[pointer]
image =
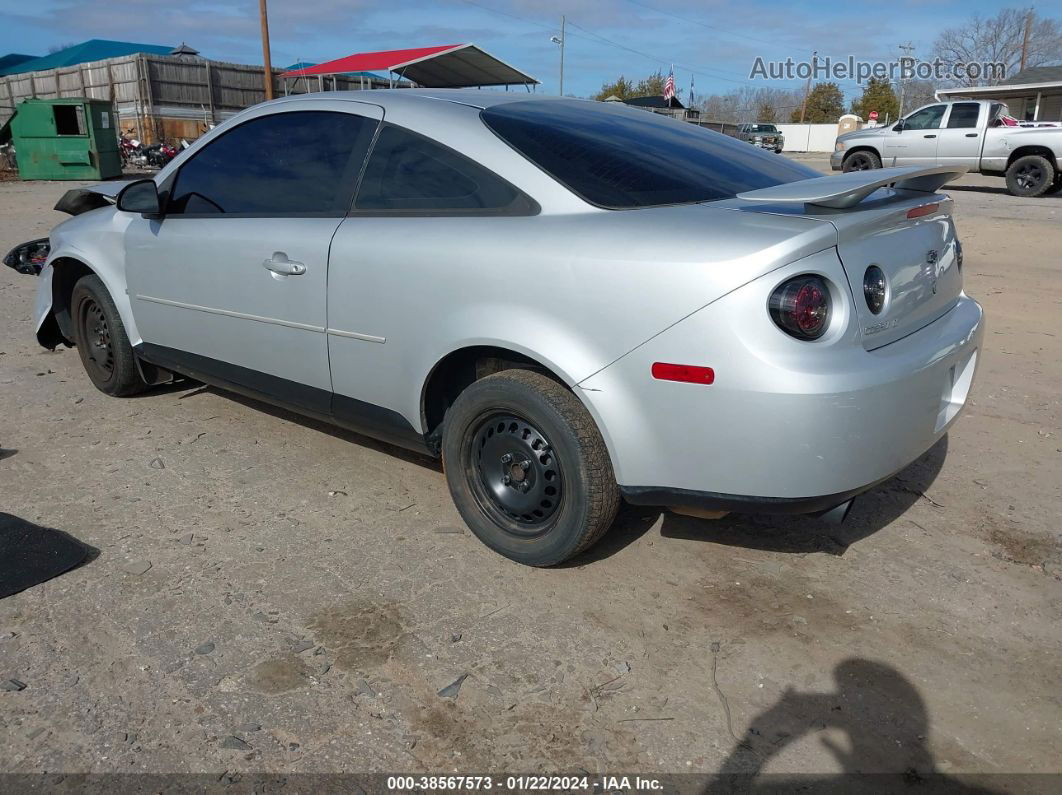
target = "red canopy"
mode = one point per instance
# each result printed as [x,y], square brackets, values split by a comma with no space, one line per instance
[446,66]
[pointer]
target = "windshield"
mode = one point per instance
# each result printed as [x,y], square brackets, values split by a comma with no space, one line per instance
[764,128]
[622,158]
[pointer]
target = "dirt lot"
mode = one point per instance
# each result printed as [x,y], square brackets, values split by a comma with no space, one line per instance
[310,592]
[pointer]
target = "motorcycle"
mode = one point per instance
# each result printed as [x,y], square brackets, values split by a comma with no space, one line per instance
[132,152]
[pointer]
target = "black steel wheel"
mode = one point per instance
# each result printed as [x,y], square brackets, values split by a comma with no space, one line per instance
[99,354]
[101,340]
[1031,175]
[861,161]
[527,467]
[514,472]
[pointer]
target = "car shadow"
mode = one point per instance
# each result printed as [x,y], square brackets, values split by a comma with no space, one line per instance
[871,511]
[874,723]
[997,190]
[336,431]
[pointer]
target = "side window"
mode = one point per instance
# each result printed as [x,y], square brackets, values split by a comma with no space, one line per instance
[408,172]
[963,115]
[925,119]
[297,163]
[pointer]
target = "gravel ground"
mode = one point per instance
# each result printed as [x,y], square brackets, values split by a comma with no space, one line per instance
[272,594]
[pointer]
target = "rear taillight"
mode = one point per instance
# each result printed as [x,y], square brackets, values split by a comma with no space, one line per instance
[801,307]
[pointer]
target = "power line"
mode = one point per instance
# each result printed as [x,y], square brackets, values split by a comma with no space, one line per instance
[599,39]
[702,24]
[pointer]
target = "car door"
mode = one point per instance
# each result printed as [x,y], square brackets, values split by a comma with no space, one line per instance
[959,141]
[230,283]
[420,204]
[916,143]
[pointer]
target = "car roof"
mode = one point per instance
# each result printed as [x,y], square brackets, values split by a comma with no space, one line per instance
[398,97]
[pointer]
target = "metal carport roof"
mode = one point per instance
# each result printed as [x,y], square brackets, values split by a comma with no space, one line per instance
[445,66]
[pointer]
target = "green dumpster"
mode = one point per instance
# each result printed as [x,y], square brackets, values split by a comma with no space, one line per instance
[69,138]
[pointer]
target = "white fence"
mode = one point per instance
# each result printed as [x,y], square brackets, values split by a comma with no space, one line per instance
[808,137]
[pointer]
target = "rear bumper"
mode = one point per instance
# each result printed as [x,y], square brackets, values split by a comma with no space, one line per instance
[737,503]
[786,427]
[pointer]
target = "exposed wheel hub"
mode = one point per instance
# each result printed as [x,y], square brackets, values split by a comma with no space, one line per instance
[517,469]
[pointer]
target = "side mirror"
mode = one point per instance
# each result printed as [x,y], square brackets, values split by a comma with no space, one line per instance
[898,127]
[141,197]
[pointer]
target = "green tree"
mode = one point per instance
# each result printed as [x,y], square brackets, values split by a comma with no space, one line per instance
[877,95]
[766,112]
[825,104]
[651,86]
[621,88]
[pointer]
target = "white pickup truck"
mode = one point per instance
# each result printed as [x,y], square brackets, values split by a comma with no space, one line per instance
[963,133]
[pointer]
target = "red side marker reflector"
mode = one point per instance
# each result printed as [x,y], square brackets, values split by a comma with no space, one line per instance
[686,373]
[925,209]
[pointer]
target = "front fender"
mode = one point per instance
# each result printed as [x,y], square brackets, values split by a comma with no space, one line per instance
[93,241]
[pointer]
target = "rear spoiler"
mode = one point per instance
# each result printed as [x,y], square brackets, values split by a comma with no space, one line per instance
[91,197]
[847,190]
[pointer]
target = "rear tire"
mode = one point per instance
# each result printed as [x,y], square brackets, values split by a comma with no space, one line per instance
[861,161]
[527,468]
[101,340]
[1030,176]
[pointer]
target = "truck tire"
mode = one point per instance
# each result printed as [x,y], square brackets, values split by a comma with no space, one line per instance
[1056,186]
[101,340]
[527,468]
[1029,176]
[862,160]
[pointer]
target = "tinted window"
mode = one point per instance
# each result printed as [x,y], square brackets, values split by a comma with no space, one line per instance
[298,163]
[764,128]
[407,172]
[964,114]
[925,119]
[623,158]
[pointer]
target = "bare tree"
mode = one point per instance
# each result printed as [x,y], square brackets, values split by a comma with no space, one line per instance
[747,104]
[1000,40]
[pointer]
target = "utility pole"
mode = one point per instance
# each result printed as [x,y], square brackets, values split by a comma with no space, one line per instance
[560,40]
[807,88]
[265,49]
[907,48]
[1025,39]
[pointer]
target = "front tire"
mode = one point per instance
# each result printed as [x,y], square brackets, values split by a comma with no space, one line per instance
[1030,176]
[527,468]
[101,340]
[861,161]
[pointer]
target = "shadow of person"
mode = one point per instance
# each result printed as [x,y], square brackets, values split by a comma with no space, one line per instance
[884,723]
[877,508]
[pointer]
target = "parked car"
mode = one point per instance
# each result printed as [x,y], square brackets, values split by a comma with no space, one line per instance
[765,136]
[977,135]
[566,318]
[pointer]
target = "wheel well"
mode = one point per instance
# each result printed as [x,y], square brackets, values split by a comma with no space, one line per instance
[1043,151]
[855,149]
[65,273]
[459,369]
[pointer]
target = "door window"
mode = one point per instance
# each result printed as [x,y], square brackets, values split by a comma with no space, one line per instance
[301,163]
[963,115]
[407,172]
[925,119]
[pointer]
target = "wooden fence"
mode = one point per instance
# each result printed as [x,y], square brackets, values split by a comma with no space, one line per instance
[164,97]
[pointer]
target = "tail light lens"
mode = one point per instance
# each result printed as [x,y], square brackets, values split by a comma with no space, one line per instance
[801,307]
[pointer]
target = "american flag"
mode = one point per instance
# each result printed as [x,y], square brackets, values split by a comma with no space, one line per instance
[669,85]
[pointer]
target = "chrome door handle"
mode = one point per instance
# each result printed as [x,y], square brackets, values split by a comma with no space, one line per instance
[929,136]
[279,263]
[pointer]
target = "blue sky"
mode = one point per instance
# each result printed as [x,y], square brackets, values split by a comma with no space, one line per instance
[713,41]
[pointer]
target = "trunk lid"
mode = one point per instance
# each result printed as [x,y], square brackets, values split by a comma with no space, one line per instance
[894,219]
[918,256]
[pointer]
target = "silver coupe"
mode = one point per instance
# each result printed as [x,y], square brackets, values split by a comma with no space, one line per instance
[569,302]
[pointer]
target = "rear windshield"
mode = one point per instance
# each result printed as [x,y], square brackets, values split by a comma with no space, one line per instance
[622,158]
